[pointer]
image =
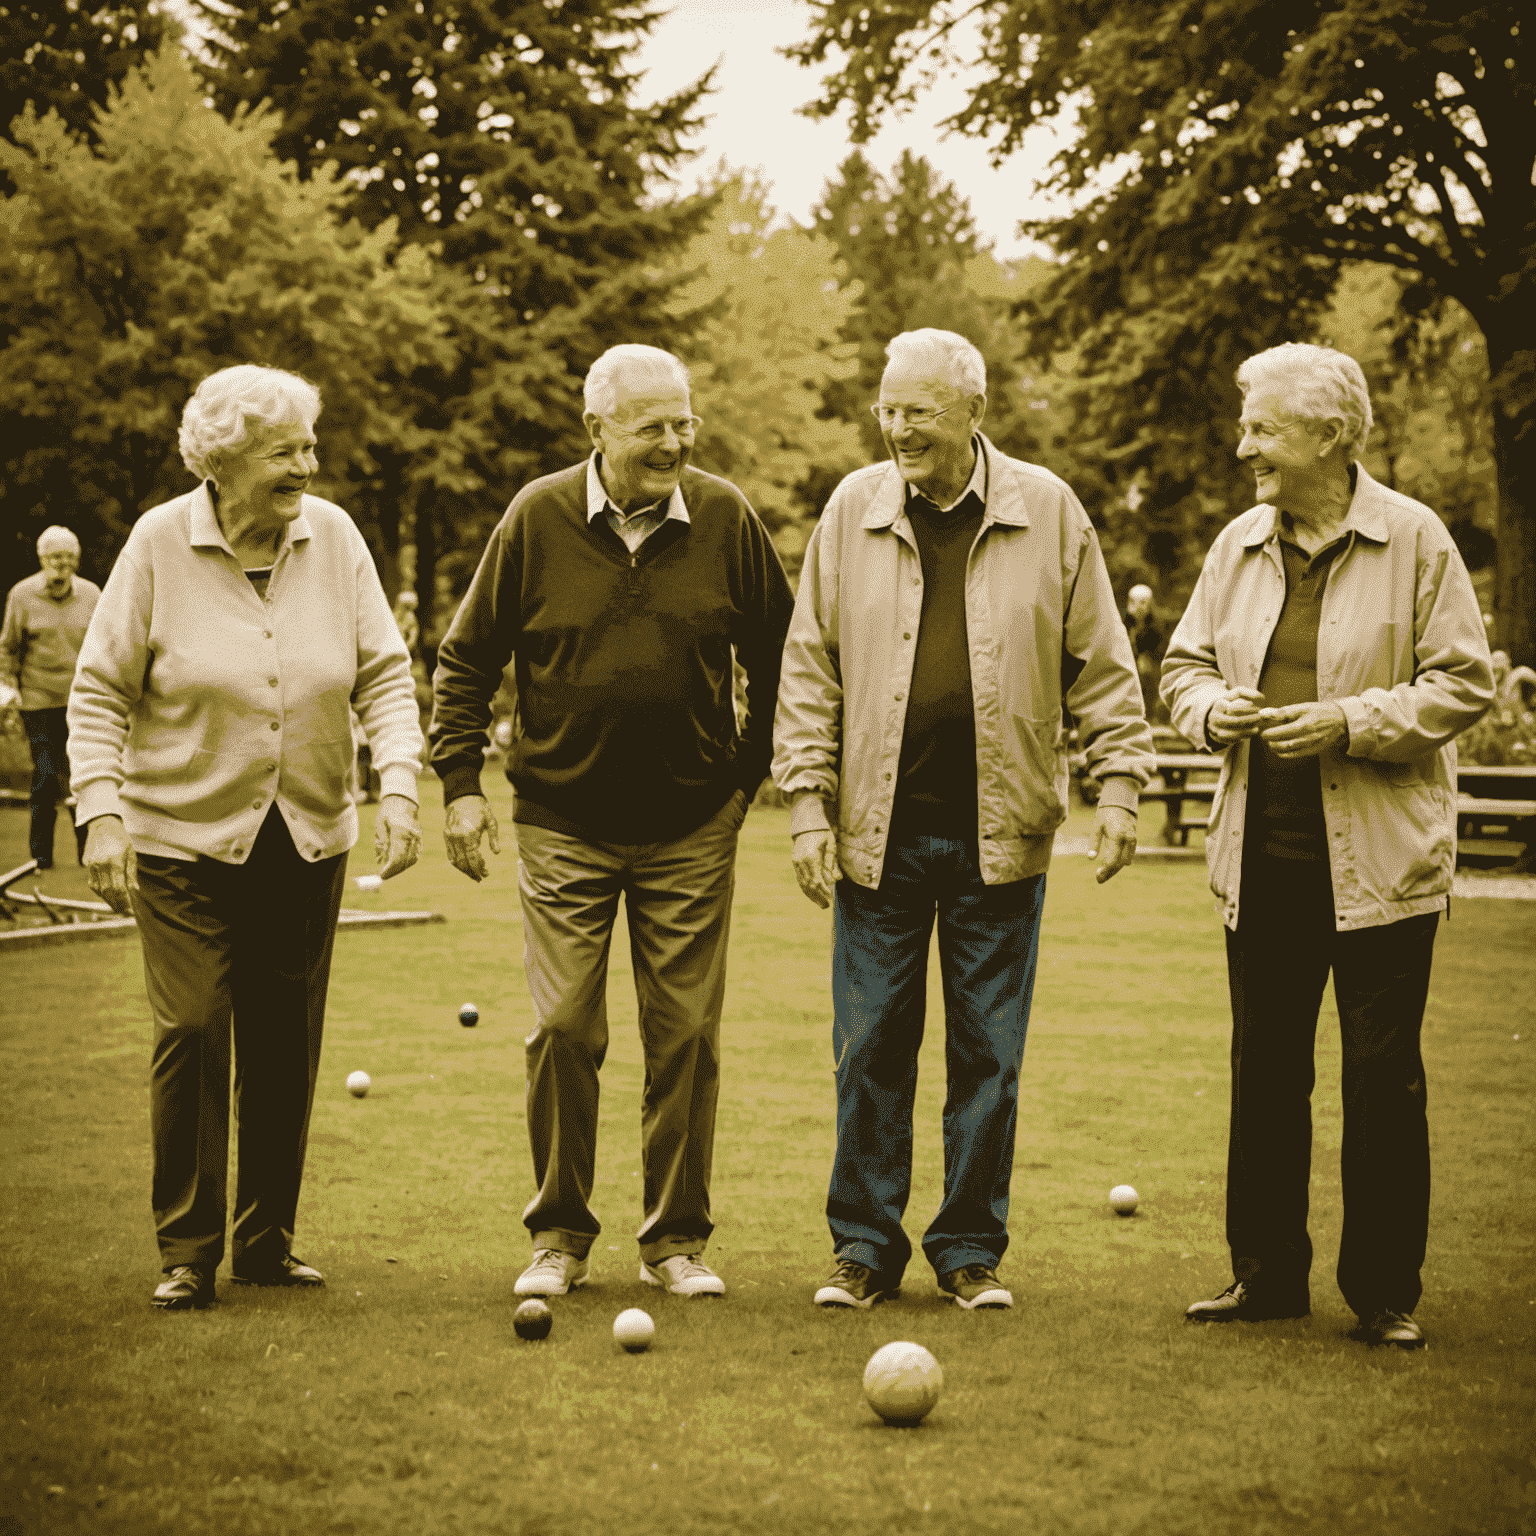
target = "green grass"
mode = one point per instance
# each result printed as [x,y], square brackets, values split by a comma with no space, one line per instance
[398,1399]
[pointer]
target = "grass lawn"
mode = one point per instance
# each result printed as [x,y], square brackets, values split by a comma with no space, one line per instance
[398,1399]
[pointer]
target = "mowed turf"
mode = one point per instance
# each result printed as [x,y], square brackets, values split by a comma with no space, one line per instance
[399,1399]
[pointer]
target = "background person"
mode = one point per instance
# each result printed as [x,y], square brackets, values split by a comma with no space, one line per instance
[211,719]
[46,617]
[1146,642]
[618,588]
[950,602]
[1332,649]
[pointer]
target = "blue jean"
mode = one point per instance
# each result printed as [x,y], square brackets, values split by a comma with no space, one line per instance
[988,944]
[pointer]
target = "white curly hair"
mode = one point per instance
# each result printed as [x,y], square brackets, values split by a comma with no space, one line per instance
[225,403]
[600,392]
[1320,384]
[960,362]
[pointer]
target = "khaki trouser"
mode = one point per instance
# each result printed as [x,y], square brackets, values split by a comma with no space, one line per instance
[678,900]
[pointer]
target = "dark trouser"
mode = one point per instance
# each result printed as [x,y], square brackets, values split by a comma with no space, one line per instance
[678,899]
[48,737]
[243,951]
[988,943]
[1277,965]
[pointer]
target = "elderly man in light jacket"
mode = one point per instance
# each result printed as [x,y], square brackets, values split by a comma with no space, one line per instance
[951,600]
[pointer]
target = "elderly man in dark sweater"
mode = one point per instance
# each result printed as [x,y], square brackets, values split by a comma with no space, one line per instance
[619,589]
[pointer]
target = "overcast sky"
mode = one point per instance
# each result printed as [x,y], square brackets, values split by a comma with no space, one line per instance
[754,122]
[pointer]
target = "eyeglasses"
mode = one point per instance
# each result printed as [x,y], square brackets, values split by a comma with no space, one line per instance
[682,427]
[916,416]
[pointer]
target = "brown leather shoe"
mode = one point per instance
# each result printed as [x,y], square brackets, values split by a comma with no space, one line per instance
[1244,1303]
[287,1271]
[185,1287]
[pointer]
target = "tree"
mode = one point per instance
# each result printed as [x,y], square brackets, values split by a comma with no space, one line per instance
[174,246]
[910,240]
[772,302]
[68,56]
[1224,163]
[506,132]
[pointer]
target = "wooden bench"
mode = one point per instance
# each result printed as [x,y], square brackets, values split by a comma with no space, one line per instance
[1496,815]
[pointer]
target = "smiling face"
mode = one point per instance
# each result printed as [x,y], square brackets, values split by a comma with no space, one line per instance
[646,440]
[934,455]
[262,480]
[59,567]
[1290,457]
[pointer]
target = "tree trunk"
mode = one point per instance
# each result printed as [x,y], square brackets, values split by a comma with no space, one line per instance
[1514,451]
[426,568]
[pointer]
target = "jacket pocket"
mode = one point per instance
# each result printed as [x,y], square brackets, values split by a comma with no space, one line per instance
[1036,777]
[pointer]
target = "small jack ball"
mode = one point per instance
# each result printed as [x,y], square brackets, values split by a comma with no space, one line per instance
[634,1330]
[358,1084]
[533,1320]
[1122,1200]
[469,1015]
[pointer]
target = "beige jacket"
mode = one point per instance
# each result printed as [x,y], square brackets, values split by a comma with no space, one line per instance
[1400,647]
[1042,626]
[198,704]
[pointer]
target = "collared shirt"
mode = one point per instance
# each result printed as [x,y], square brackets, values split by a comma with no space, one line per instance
[976,486]
[198,704]
[41,638]
[633,527]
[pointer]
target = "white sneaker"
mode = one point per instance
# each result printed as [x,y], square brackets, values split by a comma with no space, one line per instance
[552,1273]
[683,1275]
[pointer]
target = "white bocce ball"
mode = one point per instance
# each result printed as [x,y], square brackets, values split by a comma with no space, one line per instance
[634,1330]
[902,1383]
[1122,1199]
[358,1084]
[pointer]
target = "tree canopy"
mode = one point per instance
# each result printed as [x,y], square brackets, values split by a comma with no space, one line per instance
[1220,165]
[176,245]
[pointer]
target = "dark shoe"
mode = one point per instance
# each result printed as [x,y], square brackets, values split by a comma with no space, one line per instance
[287,1271]
[1384,1326]
[976,1285]
[856,1285]
[1243,1303]
[185,1287]
[43,864]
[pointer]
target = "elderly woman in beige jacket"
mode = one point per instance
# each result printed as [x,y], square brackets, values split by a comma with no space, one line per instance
[1332,651]
[211,743]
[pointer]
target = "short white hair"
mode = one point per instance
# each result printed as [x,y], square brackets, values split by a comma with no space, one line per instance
[958,360]
[1320,384]
[56,538]
[600,393]
[219,412]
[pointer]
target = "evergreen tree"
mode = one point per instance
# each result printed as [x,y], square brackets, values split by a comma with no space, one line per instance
[176,245]
[1224,163]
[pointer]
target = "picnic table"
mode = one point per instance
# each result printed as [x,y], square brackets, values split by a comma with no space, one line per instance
[1496,814]
[1178,788]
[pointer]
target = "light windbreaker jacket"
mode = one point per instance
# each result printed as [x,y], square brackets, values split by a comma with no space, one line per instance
[1400,648]
[197,704]
[1042,625]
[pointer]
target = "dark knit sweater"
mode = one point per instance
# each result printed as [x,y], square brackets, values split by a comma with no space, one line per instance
[626,727]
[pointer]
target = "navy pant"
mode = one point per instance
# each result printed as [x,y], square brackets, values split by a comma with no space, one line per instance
[48,737]
[235,953]
[1277,966]
[988,942]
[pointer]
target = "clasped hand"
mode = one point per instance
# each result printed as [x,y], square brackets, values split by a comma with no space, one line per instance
[1291,731]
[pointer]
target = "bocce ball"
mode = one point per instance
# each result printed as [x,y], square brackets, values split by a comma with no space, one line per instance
[358,1084]
[1122,1199]
[533,1320]
[469,1015]
[634,1330]
[902,1383]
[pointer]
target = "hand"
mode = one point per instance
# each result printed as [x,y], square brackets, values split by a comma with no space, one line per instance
[815,857]
[396,835]
[1234,716]
[111,868]
[1303,730]
[468,817]
[1114,841]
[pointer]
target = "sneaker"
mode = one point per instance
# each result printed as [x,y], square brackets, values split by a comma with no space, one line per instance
[552,1273]
[184,1287]
[976,1285]
[683,1275]
[856,1285]
[287,1271]
[1242,1303]
[1386,1326]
